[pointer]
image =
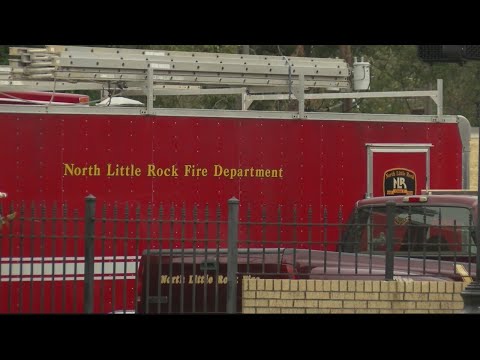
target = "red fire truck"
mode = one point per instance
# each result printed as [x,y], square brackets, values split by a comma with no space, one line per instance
[145,155]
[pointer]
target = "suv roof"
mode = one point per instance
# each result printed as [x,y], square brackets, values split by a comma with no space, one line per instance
[469,201]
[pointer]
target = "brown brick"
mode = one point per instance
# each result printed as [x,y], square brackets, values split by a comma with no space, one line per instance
[376,286]
[244,284]
[360,286]
[281,303]
[379,304]
[351,285]
[425,286]
[416,297]
[441,286]
[400,286]
[255,303]
[342,311]
[458,287]
[440,297]
[305,303]
[268,294]
[428,305]
[451,305]
[318,311]
[327,285]
[334,285]
[366,296]
[398,296]
[317,295]
[343,295]
[269,310]
[403,305]
[342,285]
[411,311]
[318,285]
[449,287]
[248,310]
[293,295]
[392,311]
[355,304]
[294,285]
[368,284]
[252,284]
[367,311]
[457,297]
[293,311]
[302,285]
[277,284]
[433,286]
[269,284]
[392,286]
[249,294]
[384,286]
[285,285]
[260,284]
[331,304]
[417,286]
[310,285]
[409,286]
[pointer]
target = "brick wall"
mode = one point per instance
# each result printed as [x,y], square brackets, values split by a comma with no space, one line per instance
[351,296]
[474,161]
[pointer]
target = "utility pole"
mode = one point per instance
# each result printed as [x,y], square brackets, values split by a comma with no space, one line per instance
[346,53]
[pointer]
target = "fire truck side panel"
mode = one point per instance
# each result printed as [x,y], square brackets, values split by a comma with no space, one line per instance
[130,162]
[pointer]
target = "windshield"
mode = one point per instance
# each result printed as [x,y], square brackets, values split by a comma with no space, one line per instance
[423,229]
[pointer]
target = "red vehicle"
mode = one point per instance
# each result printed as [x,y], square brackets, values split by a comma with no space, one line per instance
[141,156]
[424,225]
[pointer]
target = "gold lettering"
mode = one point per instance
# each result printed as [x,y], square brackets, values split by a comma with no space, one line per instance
[72,170]
[191,170]
[153,171]
[217,170]
[259,173]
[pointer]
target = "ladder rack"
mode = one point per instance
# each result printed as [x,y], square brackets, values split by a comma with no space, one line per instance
[134,72]
[259,74]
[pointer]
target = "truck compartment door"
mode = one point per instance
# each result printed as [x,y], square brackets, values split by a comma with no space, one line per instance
[397,169]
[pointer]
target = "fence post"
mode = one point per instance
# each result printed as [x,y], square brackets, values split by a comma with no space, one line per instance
[389,245]
[232,264]
[89,254]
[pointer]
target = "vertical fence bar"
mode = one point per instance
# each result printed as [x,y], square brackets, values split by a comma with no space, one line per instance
[64,256]
[205,244]
[22,240]
[194,247]
[89,254]
[218,215]
[183,214]
[232,264]
[389,250]
[54,245]
[76,239]
[125,253]
[103,240]
[32,252]
[43,221]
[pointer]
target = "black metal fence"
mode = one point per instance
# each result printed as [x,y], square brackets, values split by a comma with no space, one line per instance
[181,258]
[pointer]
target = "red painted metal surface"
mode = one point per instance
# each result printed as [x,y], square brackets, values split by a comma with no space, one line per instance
[318,164]
[41,97]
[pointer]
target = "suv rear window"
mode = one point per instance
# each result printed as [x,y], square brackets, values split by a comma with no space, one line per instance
[422,229]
